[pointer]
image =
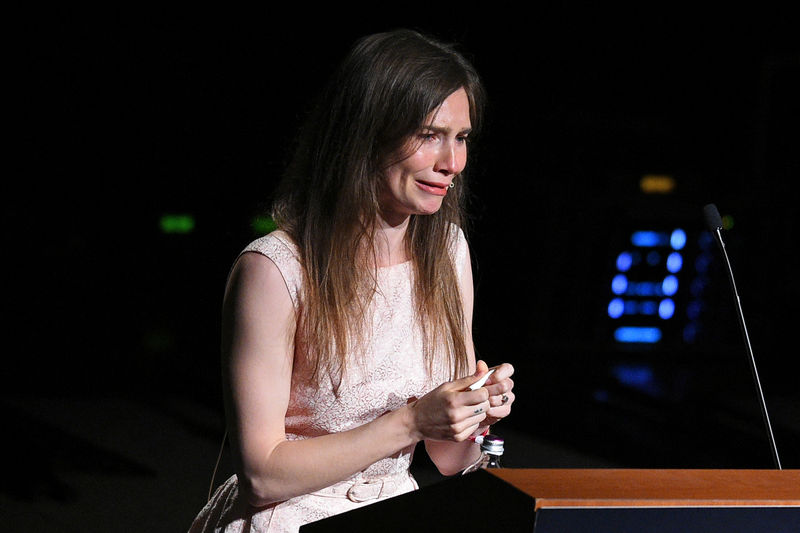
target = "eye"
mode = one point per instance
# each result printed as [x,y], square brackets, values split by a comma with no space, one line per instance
[427,136]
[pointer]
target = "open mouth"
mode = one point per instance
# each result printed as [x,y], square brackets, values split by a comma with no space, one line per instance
[439,189]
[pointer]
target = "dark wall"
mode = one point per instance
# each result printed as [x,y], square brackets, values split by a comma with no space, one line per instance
[126,115]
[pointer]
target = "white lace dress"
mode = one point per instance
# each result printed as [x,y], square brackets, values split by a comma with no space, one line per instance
[392,372]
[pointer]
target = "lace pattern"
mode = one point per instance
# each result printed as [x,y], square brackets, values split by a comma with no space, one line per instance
[392,371]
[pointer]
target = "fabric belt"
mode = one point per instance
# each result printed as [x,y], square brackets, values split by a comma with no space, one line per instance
[362,490]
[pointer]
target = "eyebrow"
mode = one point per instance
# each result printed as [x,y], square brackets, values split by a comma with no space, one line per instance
[439,129]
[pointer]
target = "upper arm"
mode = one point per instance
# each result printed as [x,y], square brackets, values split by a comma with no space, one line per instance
[258,321]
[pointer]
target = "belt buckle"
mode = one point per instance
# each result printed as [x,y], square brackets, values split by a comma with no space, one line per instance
[362,492]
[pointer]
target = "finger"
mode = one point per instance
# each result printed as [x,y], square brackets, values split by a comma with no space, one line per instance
[504,371]
[466,381]
[466,433]
[466,422]
[471,397]
[481,367]
[504,408]
[497,400]
[476,410]
[500,388]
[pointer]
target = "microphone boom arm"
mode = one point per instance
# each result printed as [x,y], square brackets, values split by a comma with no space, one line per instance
[751,358]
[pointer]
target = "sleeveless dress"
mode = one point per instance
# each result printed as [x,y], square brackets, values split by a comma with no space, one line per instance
[390,372]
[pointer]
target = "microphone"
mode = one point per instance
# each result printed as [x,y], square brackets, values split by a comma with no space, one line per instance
[714,224]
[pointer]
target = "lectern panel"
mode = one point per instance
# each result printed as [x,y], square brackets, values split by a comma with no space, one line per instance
[668,520]
[475,502]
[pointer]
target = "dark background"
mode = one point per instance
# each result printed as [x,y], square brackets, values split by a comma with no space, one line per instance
[121,116]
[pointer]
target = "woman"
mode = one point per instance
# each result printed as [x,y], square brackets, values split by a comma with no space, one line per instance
[346,333]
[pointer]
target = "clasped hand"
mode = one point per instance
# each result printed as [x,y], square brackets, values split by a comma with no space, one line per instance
[453,412]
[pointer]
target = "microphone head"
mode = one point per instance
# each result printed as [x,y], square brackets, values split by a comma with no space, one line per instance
[713,220]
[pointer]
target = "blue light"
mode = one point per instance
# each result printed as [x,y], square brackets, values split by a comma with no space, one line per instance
[705,239]
[669,286]
[631,307]
[647,335]
[624,261]
[616,307]
[653,258]
[674,262]
[600,395]
[694,309]
[633,375]
[647,307]
[640,377]
[644,288]
[697,287]
[619,284]
[690,332]
[666,308]
[702,262]
[678,239]
[648,238]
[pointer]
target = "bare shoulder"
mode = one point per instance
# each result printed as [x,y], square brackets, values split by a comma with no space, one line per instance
[257,280]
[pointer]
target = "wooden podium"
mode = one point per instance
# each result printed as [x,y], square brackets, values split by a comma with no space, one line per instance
[600,500]
[647,488]
[535,500]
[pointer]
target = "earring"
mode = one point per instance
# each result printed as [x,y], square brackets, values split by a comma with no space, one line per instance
[452,184]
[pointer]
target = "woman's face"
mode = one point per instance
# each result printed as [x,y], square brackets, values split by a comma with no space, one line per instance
[417,184]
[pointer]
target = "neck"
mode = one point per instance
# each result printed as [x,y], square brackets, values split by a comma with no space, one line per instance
[390,245]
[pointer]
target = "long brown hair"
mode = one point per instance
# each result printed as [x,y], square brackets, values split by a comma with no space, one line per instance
[381,95]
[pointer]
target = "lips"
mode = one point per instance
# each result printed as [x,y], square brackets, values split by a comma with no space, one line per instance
[439,189]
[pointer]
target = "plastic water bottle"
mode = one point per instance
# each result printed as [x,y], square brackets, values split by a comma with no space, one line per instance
[491,450]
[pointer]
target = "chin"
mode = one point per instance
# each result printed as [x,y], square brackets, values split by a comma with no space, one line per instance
[425,212]
[429,208]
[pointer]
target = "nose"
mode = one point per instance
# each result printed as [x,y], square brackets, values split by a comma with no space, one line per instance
[450,160]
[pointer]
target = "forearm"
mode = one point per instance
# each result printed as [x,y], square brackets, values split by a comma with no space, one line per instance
[292,468]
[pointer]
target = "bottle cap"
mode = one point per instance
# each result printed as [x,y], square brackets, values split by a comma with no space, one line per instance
[492,444]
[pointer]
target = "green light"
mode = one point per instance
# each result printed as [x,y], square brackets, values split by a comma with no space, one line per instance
[727,222]
[262,225]
[177,223]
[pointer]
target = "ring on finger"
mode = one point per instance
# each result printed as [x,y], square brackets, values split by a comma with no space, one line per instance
[504,399]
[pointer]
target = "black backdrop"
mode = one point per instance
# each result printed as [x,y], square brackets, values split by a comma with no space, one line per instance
[124,115]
